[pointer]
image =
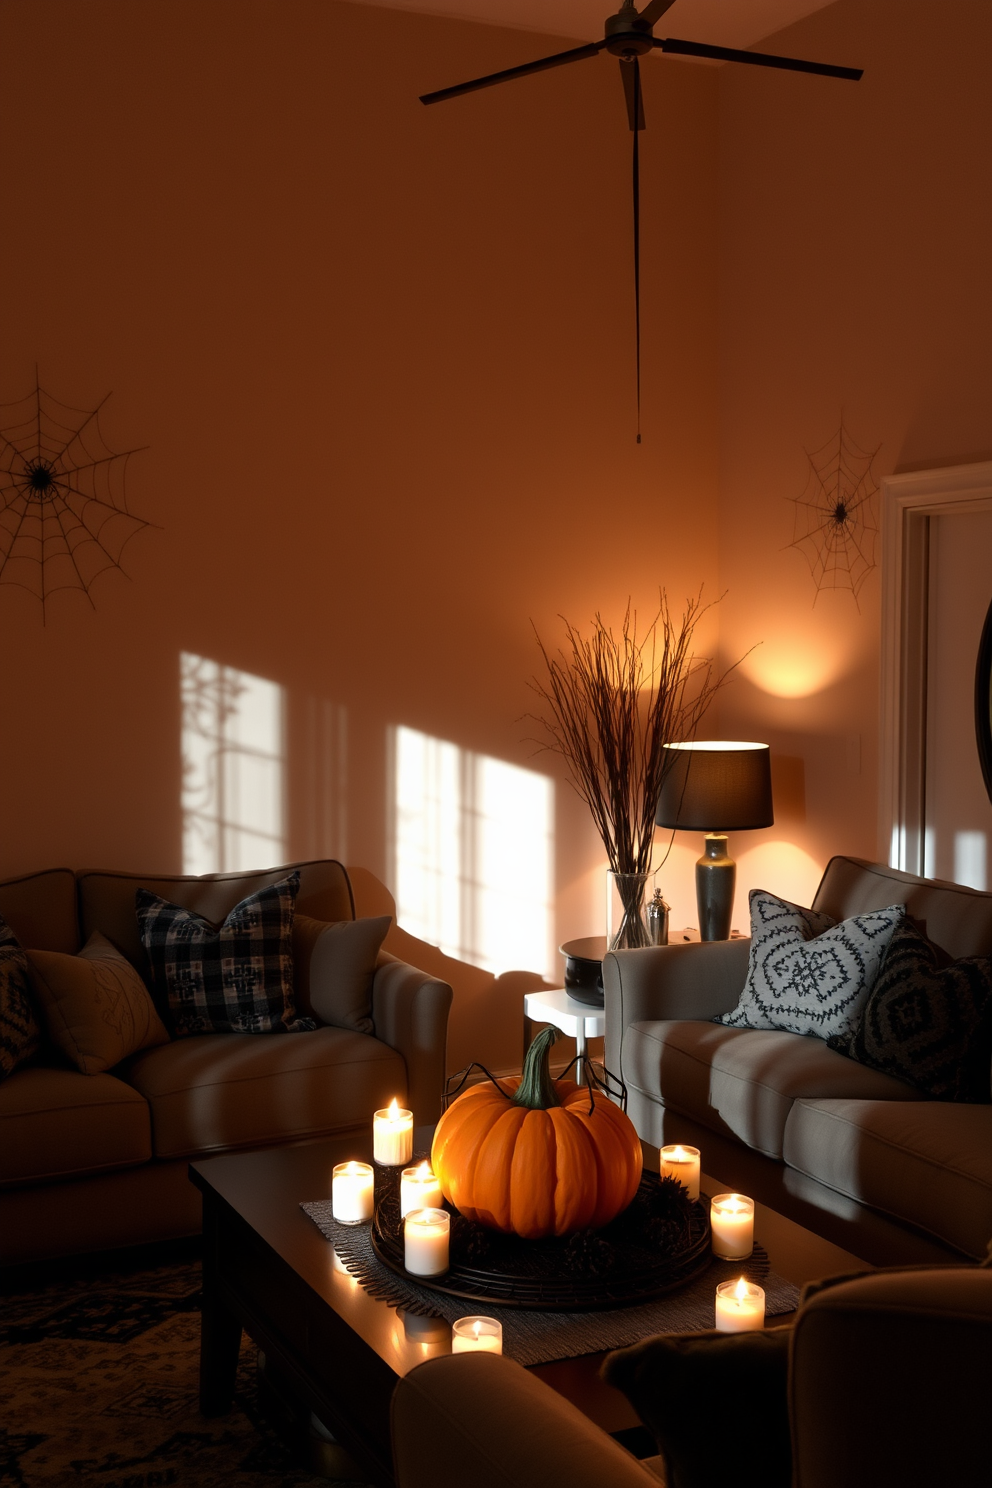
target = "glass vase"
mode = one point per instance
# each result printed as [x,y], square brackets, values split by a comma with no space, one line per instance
[627,898]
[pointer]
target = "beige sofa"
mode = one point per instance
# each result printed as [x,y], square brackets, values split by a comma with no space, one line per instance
[91,1162]
[842,1137]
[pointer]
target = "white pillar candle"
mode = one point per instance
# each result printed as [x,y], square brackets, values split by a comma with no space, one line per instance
[740,1307]
[425,1241]
[476,1335]
[352,1185]
[732,1226]
[419,1189]
[682,1163]
[392,1136]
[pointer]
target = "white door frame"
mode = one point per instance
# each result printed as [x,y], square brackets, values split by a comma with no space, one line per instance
[908,503]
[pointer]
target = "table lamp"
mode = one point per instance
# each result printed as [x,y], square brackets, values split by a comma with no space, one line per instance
[716,786]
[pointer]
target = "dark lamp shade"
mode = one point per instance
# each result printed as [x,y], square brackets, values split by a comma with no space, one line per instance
[717,787]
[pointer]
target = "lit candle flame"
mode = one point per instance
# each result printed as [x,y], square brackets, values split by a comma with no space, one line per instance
[741,1290]
[678,1155]
[352,1169]
[424,1172]
[394,1109]
[477,1328]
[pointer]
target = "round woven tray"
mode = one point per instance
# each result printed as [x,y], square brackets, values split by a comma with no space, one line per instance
[658,1244]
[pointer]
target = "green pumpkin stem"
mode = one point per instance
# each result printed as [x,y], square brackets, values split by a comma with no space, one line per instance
[537,1089]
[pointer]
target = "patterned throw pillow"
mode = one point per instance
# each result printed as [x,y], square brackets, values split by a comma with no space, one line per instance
[20,1031]
[805,973]
[232,978]
[925,1023]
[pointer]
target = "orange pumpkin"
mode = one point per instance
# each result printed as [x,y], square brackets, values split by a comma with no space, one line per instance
[535,1157]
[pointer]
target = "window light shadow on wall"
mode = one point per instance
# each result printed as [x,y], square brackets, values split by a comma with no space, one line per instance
[232,753]
[472,852]
[970,859]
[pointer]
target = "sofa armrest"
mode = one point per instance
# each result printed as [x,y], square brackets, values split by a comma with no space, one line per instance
[874,1355]
[482,1419]
[410,1013]
[698,980]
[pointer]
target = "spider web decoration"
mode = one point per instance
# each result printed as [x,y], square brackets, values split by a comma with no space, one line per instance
[835,526]
[63,512]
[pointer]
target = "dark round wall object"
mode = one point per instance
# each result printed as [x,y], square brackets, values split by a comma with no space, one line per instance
[983,702]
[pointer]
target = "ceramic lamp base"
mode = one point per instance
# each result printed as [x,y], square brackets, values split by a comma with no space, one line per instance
[716,878]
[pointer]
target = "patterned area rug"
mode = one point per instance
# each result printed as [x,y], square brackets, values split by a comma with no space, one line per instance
[98,1377]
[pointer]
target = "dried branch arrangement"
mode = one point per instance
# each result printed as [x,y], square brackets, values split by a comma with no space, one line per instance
[612,702]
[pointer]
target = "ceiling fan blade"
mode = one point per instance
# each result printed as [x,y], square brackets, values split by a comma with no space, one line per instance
[631,75]
[559,59]
[655,10]
[756,59]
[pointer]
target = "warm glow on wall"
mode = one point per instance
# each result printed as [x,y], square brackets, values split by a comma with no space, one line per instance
[780,867]
[793,668]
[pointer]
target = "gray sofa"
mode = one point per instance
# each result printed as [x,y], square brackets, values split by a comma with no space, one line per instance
[95,1162]
[842,1138]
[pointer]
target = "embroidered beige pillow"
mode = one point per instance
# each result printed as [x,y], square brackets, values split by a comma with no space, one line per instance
[97,1008]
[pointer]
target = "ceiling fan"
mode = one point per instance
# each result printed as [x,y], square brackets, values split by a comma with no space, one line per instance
[629,35]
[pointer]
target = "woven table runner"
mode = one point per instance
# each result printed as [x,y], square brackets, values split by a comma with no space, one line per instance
[542,1337]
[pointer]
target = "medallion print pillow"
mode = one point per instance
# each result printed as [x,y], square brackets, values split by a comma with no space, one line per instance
[231,978]
[807,974]
[927,1022]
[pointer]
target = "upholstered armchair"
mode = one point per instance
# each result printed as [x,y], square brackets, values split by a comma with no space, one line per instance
[890,1379]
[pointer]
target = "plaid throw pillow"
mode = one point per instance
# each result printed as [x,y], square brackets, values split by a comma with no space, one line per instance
[20,1031]
[232,978]
[927,1023]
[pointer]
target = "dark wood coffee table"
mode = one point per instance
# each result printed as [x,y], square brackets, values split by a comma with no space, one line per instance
[268,1270]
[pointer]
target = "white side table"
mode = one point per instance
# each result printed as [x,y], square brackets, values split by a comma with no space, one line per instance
[576,1019]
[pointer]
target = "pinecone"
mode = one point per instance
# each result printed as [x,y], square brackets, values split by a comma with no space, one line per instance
[667,1236]
[469,1241]
[588,1254]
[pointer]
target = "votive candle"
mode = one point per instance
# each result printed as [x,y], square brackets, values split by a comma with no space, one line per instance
[477,1335]
[419,1189]
[740,1307]
[732,1226]
[682,1163]
[425,1241]
[352,1188]
[392,1136]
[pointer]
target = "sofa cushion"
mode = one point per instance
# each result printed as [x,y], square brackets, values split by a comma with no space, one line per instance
[926,1022]
[231,978]
[806,975]
[57,1123]
[20,1030]
[106,900]
[742,1082]
[96,1007]
[220,1091]
[929,1163]
[333,967]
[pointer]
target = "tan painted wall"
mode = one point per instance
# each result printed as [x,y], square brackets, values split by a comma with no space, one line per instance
[382,357]
[856,238]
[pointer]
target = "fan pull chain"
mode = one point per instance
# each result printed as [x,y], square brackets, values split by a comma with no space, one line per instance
[637,241]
